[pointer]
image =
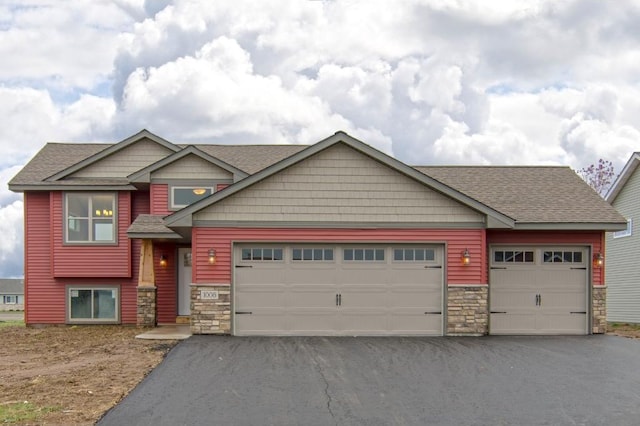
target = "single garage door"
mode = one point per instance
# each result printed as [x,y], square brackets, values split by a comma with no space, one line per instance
[539,290]
[327,289]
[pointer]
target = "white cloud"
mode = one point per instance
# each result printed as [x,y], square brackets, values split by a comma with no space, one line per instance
[11,243]
[431,81]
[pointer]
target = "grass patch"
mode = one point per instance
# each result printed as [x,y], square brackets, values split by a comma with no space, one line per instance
[16,412]
[623,325]
[12,323]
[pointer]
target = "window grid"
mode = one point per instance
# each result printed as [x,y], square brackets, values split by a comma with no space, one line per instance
[262,254]
[363,255]
[513,256]
[90,218]
[312,254]
[414,255]
[562,256]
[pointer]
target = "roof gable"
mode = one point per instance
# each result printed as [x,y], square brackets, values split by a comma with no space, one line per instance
[623,177]
[184,217]
[179,160]
[90,166]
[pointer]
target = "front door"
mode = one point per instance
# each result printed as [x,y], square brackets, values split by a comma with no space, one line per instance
[184,281]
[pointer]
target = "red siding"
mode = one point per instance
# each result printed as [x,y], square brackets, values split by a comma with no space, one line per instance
[44,301]
[595,239]
[45,294]
[221,186]
[221,239]
[160,199]
[166,283]
[92,260]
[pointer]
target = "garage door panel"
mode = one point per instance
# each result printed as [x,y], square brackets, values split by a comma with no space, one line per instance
[513,323]
[537,295]
[343,296]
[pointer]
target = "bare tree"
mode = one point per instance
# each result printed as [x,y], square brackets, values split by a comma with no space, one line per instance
[599,176]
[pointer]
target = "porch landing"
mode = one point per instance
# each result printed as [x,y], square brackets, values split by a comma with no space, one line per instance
[167,332]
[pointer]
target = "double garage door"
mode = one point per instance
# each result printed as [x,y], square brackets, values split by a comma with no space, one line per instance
[539,290]
[327,289]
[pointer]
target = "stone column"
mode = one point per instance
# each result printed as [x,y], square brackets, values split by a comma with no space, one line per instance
[599,310]
[467,310]
[146,314]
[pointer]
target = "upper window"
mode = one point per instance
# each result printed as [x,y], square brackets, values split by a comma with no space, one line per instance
[625,232]
[90,218]
[182,196]
[10,299]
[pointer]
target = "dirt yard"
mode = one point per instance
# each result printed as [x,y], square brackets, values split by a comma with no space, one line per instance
[624,330]
[70,375]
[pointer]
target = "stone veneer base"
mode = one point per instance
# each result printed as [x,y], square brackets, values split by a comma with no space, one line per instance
[599,310]
[467,310]
[211,316]
[146,314]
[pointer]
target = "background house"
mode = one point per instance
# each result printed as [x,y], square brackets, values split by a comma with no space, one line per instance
[623,247]
[11,294]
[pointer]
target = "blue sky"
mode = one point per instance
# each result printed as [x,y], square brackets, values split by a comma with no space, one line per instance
[430,82]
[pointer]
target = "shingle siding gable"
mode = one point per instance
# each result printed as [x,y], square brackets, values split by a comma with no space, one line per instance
[622,254]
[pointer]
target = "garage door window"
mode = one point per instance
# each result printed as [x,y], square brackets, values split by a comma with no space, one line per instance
[363,255]
[513,256]
[562,257]
[414,255]
[262,254]
[312,254]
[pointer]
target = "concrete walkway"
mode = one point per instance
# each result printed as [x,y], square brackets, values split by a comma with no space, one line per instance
[167,332]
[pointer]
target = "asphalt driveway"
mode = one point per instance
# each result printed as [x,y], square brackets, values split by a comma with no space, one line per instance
[214,380]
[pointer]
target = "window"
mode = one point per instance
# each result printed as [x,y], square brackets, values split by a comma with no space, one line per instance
[513,256]
[90,218]
[262,254]
[10,299]
[182,196]
[93,304]
[562,256]
[363,255]
[625,232]
[312,254]
[414,255]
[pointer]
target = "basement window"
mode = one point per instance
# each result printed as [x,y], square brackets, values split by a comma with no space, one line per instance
[93,304]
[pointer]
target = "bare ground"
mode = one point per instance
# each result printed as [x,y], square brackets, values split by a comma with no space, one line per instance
[72,375]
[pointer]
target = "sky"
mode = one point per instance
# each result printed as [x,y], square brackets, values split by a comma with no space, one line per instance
[512,82]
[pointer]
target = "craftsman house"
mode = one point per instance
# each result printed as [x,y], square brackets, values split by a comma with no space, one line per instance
[623,247]
[335,238]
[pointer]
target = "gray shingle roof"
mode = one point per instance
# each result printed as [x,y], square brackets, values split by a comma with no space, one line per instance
[535,194]
[11,286]
[150,225]
[526,194]
[54,157]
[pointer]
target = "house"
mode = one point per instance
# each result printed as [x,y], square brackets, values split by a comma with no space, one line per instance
[334,238]
[11,294]
[623,247]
